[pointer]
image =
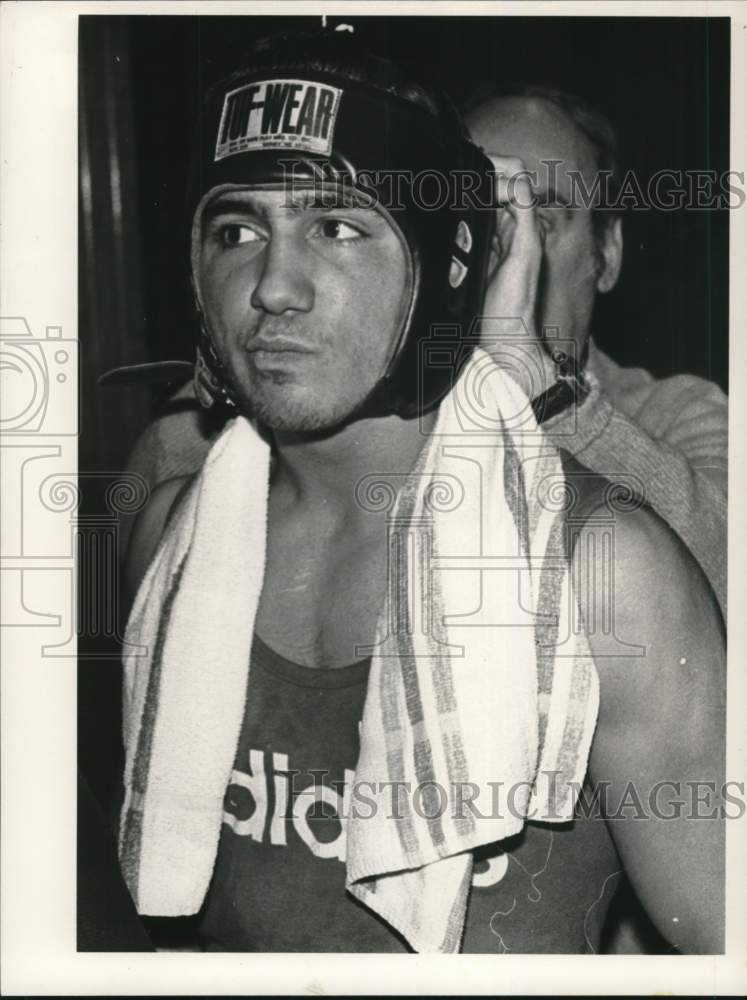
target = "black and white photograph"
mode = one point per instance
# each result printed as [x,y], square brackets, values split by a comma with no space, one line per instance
[366,505]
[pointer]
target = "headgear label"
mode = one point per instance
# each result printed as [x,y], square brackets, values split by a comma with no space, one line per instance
[278,114]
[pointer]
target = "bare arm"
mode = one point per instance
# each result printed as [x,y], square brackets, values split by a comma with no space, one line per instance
[173,445]
[662,721]
[148,531]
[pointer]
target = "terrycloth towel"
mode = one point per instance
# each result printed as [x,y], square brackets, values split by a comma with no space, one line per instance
[478,676]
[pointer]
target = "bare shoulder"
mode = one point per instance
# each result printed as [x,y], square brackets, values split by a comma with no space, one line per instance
[149,529]
[656,628]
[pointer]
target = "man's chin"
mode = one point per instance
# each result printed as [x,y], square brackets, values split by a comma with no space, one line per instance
[290,415]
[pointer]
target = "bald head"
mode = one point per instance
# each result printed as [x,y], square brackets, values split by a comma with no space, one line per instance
[538,132]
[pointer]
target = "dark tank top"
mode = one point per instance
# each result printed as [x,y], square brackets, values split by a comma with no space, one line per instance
[279,878]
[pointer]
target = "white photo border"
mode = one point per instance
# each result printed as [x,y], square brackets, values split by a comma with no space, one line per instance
[38,281]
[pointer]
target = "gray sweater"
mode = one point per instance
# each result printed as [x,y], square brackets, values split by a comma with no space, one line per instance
[670,433]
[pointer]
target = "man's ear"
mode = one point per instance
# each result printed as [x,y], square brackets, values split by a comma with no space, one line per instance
[611,255]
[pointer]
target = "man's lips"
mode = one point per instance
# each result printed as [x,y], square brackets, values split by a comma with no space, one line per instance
[278,345]
[277,354]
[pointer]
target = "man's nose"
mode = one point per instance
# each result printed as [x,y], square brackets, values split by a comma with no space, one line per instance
[284,283]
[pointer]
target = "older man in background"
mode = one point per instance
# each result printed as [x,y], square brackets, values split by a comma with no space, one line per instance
[670,433]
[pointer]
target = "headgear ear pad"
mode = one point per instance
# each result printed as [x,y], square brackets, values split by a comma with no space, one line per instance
[295,122]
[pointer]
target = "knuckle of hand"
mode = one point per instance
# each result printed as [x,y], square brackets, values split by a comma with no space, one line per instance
[508,165]
[515,164]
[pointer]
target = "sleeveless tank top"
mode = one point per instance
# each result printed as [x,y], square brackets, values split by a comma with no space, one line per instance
[279,878]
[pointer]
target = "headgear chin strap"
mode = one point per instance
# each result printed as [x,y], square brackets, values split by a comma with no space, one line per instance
[291,125]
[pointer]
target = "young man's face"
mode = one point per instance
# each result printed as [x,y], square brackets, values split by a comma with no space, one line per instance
[575,267]
[304,303]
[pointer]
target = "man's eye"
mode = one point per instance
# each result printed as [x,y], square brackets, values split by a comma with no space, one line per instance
[336,229]
[234,234]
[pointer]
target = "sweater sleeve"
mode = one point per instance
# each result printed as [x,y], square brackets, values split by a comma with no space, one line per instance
[674,439]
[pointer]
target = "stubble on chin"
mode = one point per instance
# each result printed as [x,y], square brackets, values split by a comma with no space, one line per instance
[279,410]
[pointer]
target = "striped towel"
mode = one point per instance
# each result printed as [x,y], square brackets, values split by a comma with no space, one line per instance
[478,676]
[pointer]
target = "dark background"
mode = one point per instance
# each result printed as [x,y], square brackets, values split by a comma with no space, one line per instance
[664,82]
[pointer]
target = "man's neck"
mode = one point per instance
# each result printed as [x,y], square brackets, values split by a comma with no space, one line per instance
[325,469]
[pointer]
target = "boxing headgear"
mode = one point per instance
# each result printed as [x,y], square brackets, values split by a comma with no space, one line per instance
[319,111]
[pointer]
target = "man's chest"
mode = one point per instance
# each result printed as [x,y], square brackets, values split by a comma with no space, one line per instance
[323,592]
